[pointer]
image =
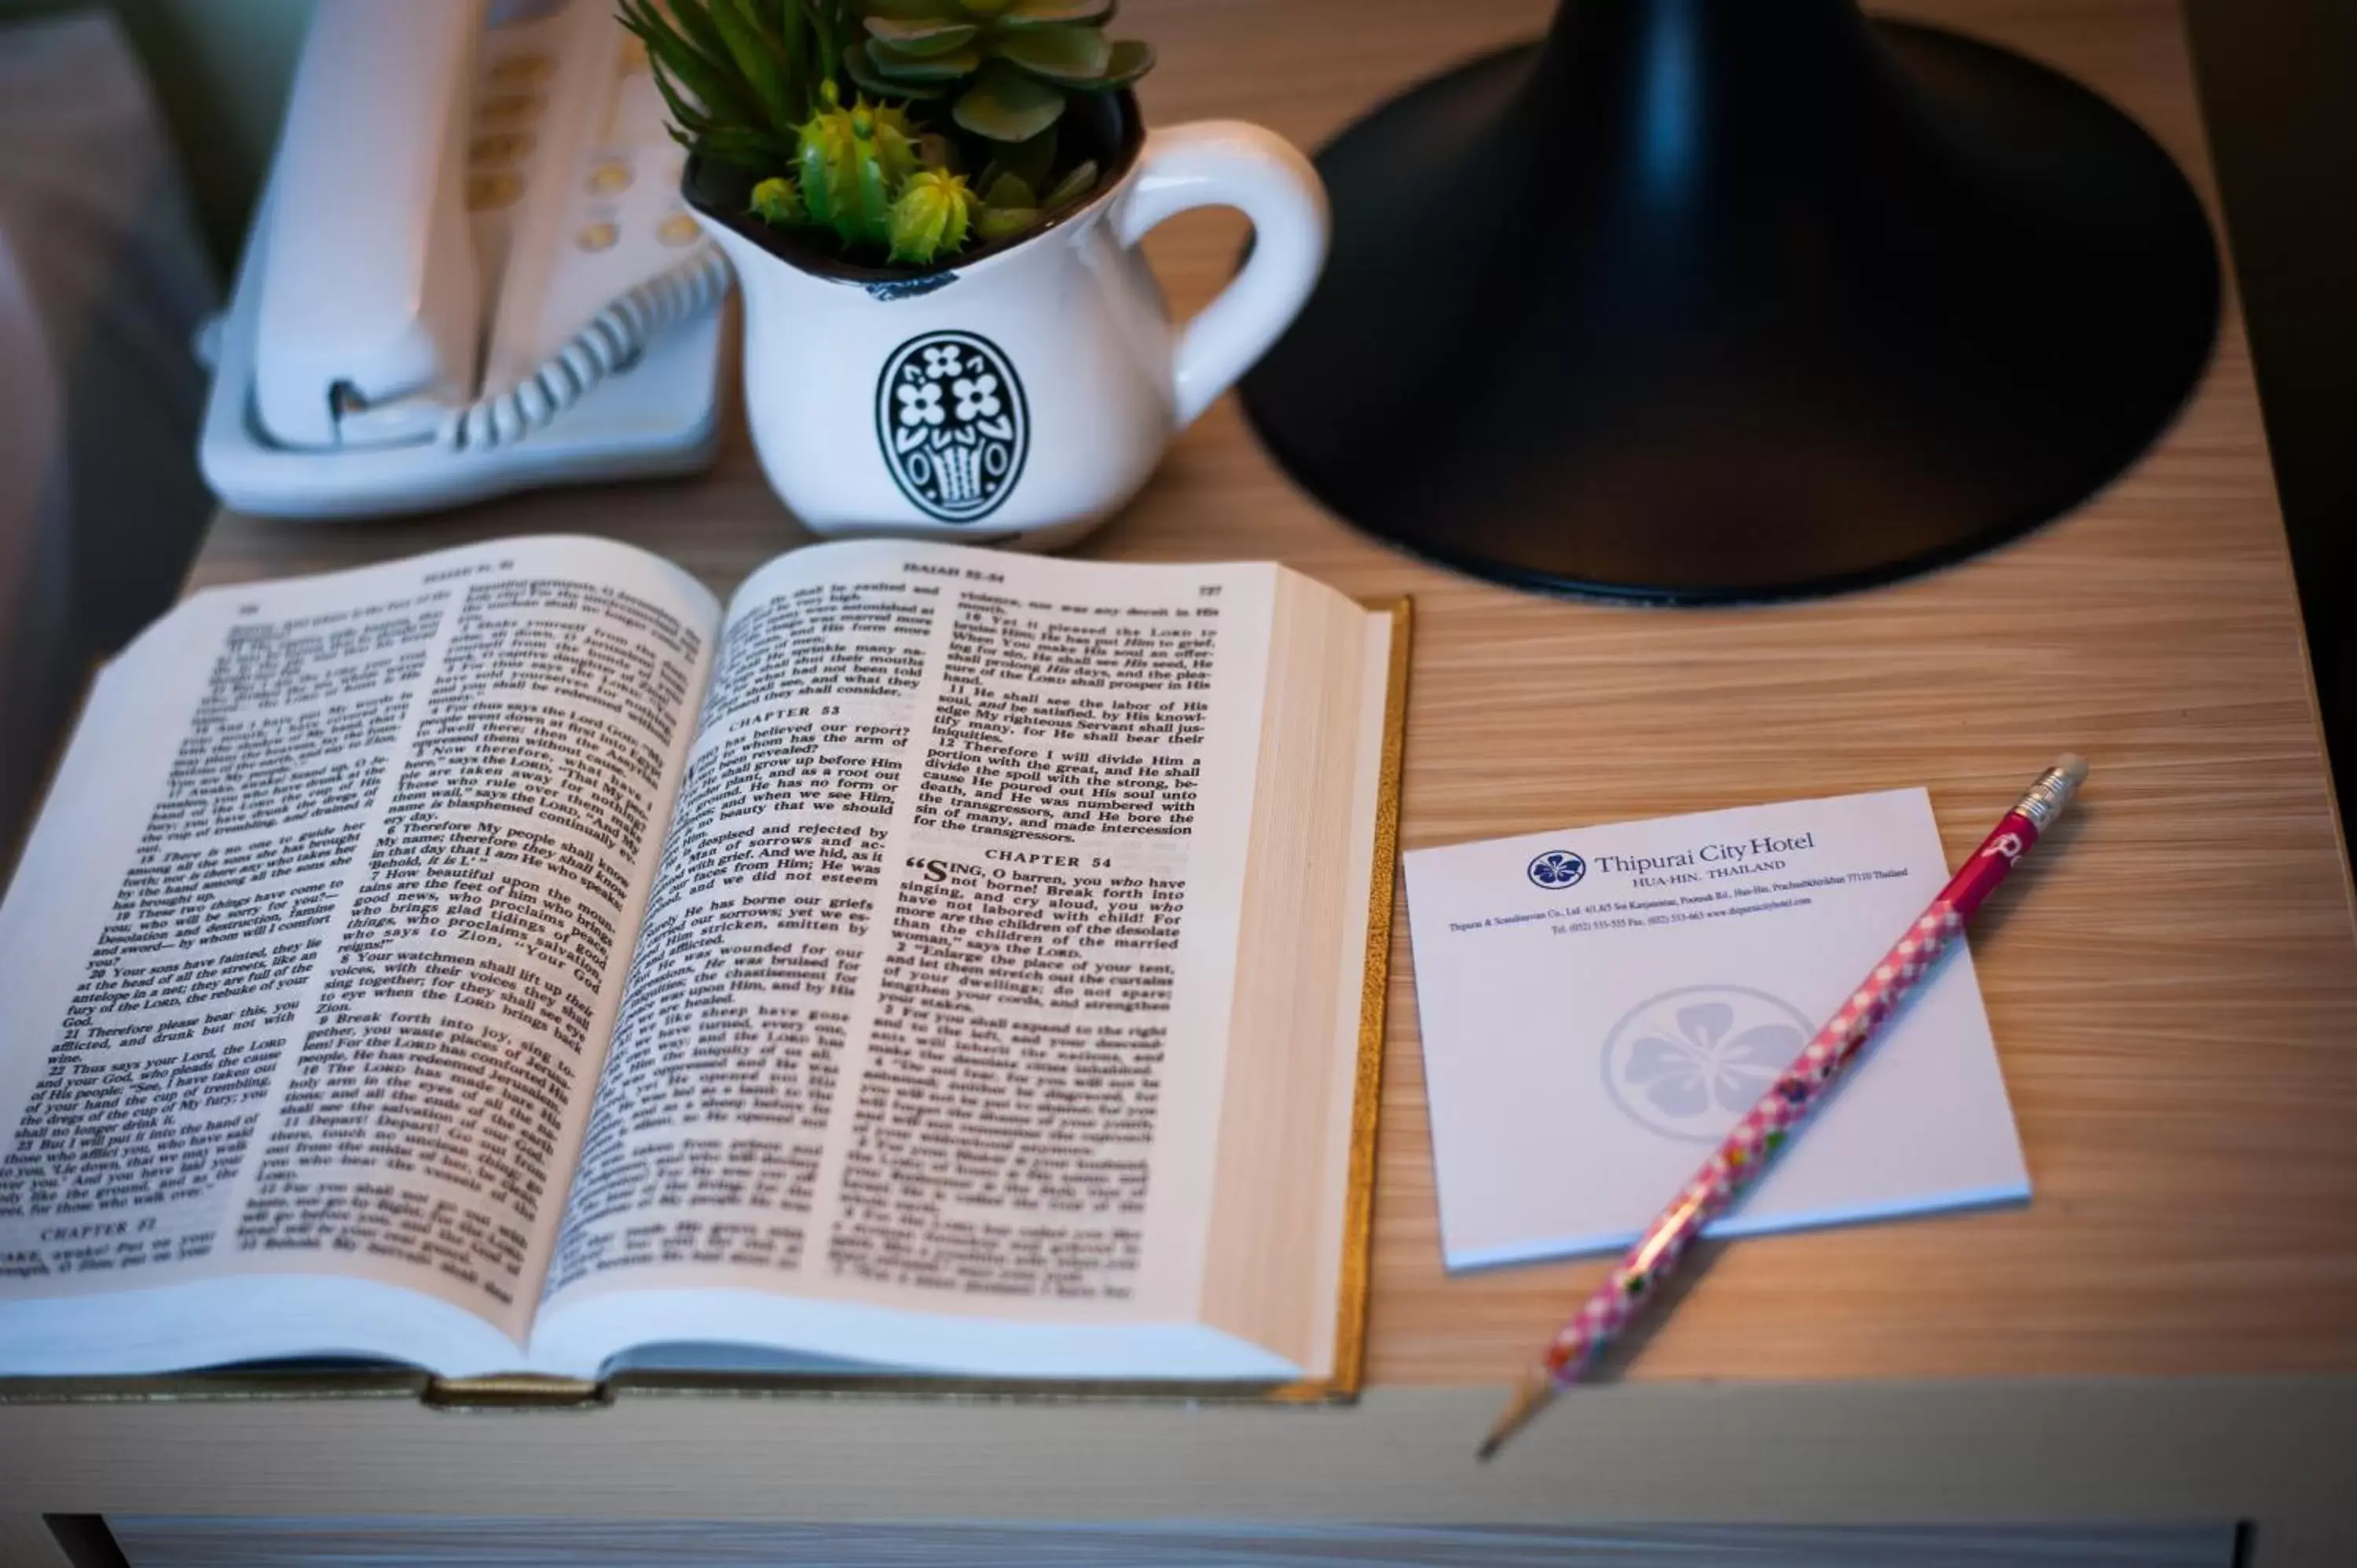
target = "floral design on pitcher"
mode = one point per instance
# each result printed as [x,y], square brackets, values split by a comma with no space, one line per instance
[953,424]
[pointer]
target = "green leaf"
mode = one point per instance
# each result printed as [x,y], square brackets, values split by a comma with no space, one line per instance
[915,10]
[1078,182]
[935,151]
[760,15]
[920,37]
[1132,57]
[714,86]
[1009,190]
[1054,13]
[1072,57]
[993,224]
[756,62]
[825,24]
[807,55]
[742,146]
[861,67]
[1029,161]
[683,114]
[652,28]
[693,18]
[1006,104]
[896,65]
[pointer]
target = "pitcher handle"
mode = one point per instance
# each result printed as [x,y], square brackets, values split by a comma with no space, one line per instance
[1228,163]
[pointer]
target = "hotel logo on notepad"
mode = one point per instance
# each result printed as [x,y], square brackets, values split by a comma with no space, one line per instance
[1688,1062]
[1557,868]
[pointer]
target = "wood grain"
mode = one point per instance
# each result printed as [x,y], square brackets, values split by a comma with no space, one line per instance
[2173,983]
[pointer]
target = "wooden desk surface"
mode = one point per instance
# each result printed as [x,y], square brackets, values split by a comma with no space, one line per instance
[2173,983]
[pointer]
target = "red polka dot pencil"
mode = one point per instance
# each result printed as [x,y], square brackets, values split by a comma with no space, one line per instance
[1764,1130]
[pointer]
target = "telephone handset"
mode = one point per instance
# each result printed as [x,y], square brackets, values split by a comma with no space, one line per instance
[471,225]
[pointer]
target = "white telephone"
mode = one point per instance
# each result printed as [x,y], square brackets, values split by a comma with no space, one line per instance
[470,273]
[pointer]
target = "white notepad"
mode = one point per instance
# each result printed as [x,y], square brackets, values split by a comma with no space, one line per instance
[1601,1004]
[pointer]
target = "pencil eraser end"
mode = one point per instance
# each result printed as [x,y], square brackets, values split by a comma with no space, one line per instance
[2071,765]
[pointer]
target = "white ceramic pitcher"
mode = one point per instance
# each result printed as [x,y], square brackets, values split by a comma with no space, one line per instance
[1029,395]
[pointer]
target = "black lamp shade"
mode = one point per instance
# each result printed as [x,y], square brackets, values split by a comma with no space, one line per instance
[1719,300]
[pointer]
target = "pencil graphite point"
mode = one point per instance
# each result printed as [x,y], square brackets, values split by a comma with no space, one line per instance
[1531,1396]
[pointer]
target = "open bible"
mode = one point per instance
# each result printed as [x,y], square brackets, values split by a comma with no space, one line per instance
[510,960]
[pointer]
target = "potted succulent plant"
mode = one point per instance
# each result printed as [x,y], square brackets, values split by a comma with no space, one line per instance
[932,207]
[883,132]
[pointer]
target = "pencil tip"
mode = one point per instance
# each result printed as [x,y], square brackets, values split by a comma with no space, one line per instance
[1535,1389]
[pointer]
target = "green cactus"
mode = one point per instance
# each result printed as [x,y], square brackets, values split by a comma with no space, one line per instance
[931,217]
[853,163]
[777,202]
[1011,64]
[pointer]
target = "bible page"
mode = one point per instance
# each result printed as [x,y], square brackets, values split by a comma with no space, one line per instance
[920,1059]
[306,973]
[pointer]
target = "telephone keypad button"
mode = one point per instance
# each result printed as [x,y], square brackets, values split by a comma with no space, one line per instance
[610,180]
[597,237]
[512,109]
[487,192]
[677,230]
[520,71]
[500,147]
